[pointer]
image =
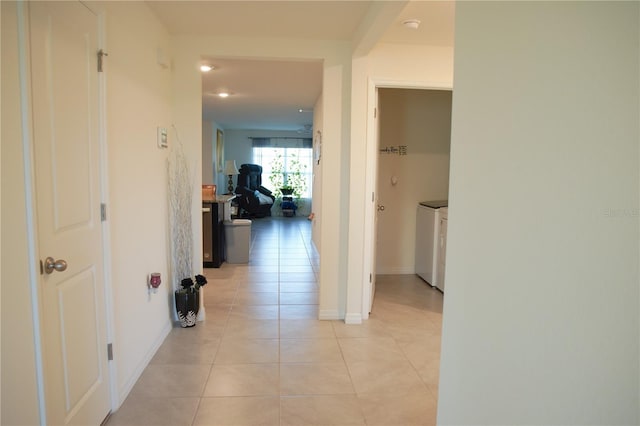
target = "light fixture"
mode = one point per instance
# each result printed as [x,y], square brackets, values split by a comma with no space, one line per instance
[305,110]
[230,169]
[205,68]
[223,94]
[411,23]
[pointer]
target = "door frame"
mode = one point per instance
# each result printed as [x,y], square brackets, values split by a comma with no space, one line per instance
[371,172]
[31,205]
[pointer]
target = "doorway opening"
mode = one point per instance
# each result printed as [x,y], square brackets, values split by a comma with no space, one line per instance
[407,162]
[271,113]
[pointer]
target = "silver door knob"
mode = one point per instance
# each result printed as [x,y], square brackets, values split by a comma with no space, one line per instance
[50,264]
[380,208]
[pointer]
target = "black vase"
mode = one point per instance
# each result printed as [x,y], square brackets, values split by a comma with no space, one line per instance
[187,306]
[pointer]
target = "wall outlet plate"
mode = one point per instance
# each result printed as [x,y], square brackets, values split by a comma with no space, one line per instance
[163,138]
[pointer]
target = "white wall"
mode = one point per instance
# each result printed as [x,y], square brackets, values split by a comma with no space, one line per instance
[541,312]
[420,120]
[19,389]
[187,102]
[386,65]
[138,100]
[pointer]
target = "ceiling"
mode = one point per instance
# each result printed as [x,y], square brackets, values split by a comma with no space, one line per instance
[268,94]
[264,95]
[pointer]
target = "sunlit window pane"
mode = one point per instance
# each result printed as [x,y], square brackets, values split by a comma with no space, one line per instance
[290,158]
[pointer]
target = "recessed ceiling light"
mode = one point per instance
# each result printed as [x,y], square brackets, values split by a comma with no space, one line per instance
[305,110]
[223,94]
[205,68]
[411,23]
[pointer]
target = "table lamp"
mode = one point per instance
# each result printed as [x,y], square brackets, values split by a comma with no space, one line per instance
[230,169]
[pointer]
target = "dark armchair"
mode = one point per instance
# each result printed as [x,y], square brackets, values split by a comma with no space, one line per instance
[254,199]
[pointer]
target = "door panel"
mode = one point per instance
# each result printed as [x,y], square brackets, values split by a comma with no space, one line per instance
[80,346]
[70,72]
[64,47]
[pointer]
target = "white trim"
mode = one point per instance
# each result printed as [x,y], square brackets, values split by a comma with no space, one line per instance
[126,388]
[29,183]
[104,198]
[353,318]
[396,270]
[371,173]
[400,84]
[328,314]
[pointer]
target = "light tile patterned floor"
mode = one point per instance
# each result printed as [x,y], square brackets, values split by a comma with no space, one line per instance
[262,357]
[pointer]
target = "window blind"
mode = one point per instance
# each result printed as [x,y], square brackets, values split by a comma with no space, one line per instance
[281,142]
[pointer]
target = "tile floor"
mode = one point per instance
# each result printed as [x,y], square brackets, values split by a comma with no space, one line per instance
[262,357]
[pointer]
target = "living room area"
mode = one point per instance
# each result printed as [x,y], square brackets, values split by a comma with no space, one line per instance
[270,117]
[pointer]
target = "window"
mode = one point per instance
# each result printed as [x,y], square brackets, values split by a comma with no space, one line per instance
[289,161]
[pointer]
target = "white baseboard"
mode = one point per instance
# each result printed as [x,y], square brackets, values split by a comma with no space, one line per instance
[126,388]
[395,270]
[353,319]
[314,249]
[329,314]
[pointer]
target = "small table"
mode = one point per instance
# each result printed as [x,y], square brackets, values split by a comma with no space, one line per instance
[214,212]
[288,206]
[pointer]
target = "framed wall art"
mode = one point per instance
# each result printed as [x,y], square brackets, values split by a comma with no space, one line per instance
[219,151]
[317,147]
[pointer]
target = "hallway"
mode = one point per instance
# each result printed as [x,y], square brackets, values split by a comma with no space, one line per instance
[262,357]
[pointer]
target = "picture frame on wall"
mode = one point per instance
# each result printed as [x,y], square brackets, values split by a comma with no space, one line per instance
[317,147]
[219,151]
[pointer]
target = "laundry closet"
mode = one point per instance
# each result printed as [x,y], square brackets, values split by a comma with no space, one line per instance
[413,167]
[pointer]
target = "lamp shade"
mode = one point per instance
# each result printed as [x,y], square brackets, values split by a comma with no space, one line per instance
[230,167]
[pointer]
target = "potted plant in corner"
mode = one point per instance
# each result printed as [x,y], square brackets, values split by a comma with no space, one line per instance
[188,300]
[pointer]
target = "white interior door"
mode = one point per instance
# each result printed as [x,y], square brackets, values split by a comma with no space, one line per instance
[371,211]
[64,45]
[379,207]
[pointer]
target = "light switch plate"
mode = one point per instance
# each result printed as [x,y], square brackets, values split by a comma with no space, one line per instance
[163,138]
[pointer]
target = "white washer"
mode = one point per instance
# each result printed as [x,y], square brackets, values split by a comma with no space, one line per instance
[427,241]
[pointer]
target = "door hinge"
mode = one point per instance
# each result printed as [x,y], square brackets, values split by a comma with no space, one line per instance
[103,212]
[375,112]
[370,278]
[101,54]
[110,351]
[373,197]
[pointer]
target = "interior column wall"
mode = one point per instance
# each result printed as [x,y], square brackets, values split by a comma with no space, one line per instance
[541,313]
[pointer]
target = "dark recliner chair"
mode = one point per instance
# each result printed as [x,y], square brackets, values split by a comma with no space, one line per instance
[249,184]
